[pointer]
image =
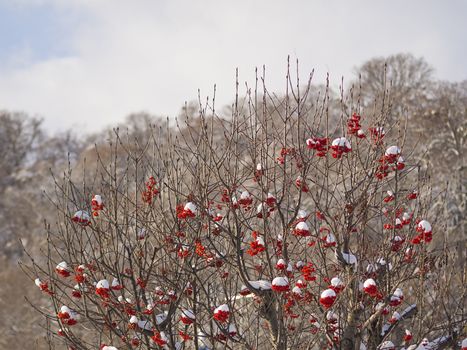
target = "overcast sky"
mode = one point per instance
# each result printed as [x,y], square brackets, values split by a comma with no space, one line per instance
[87,63]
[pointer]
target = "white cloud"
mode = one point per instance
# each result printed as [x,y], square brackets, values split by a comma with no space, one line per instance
[129,56]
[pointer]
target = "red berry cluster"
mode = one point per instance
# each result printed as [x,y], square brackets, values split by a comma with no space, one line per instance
[319,144]
[354,127]
[151,190]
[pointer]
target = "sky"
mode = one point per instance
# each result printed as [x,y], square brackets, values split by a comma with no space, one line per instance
[86,64]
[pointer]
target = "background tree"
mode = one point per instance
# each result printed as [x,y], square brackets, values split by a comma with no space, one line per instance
[27,155]
[405,78]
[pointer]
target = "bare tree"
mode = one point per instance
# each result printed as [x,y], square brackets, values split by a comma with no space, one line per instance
[406,79]
[271,228]
[441,126]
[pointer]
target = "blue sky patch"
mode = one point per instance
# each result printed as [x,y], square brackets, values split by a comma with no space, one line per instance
[32,33]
